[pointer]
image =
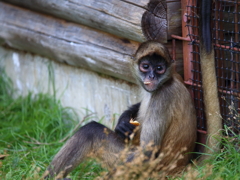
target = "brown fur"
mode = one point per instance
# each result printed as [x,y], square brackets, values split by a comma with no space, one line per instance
[167,119]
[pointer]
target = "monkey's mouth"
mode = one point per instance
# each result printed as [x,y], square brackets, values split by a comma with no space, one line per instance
[150,86]
[147,82]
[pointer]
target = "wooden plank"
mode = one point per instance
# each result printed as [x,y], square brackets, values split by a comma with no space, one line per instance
[119,17]
[66,42]
[113,16]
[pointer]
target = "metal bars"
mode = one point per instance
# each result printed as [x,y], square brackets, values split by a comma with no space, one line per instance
[225,34]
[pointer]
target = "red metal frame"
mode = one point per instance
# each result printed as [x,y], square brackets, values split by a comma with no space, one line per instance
[187,57]
[192,76]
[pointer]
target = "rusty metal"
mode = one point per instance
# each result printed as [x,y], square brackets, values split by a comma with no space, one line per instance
[227,47]
[181,38]
[188,66]
[187,56]
[202,132]
[227,57]
[190,83]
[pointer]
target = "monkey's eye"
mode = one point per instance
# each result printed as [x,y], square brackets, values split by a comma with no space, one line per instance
[144,67]
[160,69]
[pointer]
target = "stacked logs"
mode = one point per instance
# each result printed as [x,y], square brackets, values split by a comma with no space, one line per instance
[99,35]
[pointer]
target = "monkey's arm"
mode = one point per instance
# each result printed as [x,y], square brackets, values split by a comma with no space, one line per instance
[124,128]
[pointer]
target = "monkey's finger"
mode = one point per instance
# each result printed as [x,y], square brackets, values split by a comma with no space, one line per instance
[131,127]
[128,127]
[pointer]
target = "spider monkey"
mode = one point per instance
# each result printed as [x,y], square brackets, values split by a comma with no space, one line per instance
[166,115]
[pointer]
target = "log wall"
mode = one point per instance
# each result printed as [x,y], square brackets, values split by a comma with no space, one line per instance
[97,38]
[68,42]
[119,17]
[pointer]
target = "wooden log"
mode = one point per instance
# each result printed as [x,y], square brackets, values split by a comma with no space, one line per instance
[121,18]
[174,18]
[157,21]
[67,42]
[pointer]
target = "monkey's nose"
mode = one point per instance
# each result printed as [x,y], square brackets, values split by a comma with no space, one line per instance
[151,76]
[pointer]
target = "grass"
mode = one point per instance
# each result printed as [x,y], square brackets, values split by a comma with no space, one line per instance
[226,164]
[219,165]
[34,127]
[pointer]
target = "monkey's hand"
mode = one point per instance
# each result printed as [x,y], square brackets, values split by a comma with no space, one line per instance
[124,129]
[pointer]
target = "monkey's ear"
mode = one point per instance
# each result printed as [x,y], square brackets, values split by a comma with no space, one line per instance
[152,47]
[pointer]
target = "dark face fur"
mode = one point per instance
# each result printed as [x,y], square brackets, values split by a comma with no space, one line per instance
[152,71]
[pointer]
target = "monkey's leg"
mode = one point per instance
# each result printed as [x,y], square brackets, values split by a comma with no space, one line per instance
[91,138]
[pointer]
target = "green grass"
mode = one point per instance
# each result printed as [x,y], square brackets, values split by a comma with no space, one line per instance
[219,165]
[32,129]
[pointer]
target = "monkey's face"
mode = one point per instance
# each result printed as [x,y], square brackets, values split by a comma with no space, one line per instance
[152,71]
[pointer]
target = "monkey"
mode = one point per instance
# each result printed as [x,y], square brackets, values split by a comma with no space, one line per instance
[166,115]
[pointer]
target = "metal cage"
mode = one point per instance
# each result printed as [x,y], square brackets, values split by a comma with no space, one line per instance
[226,41]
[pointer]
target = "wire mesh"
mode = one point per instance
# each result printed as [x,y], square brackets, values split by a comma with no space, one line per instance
[225,37]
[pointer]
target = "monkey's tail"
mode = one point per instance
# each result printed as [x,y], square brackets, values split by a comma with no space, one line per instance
[206,38]
[209,80]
